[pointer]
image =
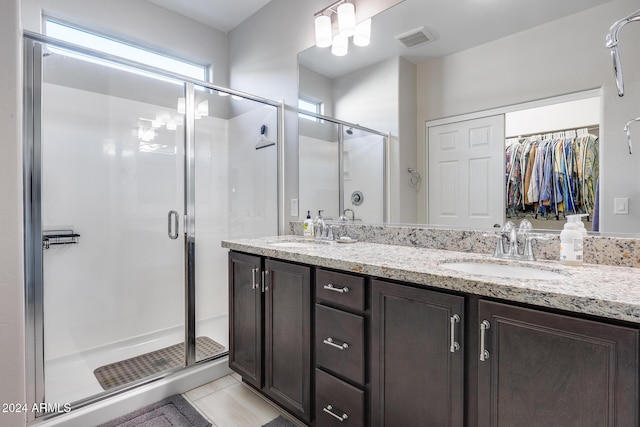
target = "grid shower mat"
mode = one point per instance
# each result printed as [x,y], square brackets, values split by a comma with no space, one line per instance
[135,368]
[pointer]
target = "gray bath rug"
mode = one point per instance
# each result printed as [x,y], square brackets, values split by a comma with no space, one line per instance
[279,422]
[126,371]
[173,411]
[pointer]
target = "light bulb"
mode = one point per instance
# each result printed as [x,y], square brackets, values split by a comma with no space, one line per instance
[323,31]
[363,33]
[340,46]
[347,19]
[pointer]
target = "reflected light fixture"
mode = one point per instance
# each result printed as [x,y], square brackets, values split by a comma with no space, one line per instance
[340,46]
[346,19]
[345,14]
[362,37]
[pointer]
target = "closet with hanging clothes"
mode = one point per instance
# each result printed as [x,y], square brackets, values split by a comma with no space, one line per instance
[549,176]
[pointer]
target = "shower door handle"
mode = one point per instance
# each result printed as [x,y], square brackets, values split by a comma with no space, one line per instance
[173,231]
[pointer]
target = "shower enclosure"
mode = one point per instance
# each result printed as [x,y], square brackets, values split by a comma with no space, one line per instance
[343,169]
[132,177]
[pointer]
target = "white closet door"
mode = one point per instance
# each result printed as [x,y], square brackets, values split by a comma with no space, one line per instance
[466,173]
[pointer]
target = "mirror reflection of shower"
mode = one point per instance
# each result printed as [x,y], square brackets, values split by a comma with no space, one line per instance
[612,44]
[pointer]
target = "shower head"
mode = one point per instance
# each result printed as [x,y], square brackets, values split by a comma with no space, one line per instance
[263,142]
[612,43]
[349,131]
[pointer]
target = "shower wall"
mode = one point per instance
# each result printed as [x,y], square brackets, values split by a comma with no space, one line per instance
[363,166]
[94,295]
[102,182]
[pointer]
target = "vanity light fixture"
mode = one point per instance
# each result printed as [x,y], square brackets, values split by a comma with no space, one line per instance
[346,24]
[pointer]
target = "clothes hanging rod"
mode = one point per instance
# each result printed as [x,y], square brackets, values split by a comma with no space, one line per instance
[588,128]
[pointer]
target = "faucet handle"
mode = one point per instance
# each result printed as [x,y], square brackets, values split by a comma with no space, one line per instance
[525,225]
[499,250]
[528,246]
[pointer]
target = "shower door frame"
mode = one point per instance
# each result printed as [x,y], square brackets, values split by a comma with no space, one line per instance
[32,202]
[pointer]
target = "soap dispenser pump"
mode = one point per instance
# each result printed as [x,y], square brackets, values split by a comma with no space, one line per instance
[571,242]
[307,229]
[577,219]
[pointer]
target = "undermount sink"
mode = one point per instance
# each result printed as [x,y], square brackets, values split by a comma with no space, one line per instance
[294,244]
[502,270]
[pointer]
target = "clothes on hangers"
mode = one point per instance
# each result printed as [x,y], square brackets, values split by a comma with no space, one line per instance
[552,174]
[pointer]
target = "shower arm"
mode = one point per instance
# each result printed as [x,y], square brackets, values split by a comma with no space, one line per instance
[612,44]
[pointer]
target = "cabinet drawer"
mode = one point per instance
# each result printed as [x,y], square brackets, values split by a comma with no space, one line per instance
[338,403]
[340,343]
[345,290]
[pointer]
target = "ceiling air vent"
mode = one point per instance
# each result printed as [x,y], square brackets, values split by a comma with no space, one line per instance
[414,38]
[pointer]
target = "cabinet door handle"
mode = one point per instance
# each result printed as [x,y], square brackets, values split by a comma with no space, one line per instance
[329,410]
[329,341]
[330,287]
[254,272]
[484,353]
[265,277]
[454,346]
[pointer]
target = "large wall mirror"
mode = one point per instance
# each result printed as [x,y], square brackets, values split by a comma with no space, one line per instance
[471,68]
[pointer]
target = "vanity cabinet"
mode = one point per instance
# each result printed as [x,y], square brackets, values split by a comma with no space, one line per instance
[270,329]
[544,369]
[394,354]
[340,349]
[417,362]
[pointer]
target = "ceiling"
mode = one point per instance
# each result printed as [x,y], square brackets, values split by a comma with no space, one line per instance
[223,15]
[470,23]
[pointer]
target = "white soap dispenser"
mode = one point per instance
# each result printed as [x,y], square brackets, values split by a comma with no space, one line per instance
[571,242]
[307,228]
[578,220]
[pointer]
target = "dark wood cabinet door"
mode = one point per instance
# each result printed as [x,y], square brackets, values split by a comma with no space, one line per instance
[546,369]
[416,380]
[245,317]
[288,336]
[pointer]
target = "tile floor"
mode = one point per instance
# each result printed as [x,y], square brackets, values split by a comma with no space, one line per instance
[227,402]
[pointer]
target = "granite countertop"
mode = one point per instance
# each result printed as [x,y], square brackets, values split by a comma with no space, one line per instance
[606,291]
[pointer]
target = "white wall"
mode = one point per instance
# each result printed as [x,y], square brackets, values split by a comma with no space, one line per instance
[316,87]
[263,61]
[12,334]
[141,22]
[563,56]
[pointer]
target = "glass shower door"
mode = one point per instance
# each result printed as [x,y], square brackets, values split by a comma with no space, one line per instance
[235,195]
[112,212]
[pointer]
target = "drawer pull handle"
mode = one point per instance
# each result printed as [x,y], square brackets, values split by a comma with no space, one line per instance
[328,410]
[330,287]
[484,353]
[254,272]
[454,344]
[329,341]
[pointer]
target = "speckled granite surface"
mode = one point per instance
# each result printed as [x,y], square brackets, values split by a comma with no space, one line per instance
[600,290]
[620,251]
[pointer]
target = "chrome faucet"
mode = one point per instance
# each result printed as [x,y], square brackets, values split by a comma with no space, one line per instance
[612,43]
[511,232]
[344,216]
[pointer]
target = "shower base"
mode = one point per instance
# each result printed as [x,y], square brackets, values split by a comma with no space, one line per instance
[70,378]
[152,363]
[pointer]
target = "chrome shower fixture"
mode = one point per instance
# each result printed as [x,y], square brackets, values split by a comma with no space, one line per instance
[627,129]
[612,43]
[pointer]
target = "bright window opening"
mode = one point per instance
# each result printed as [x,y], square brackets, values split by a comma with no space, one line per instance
[305,105]
[123,50]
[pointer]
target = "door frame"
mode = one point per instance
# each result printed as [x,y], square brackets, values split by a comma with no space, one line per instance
[32,213]
[423,147]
